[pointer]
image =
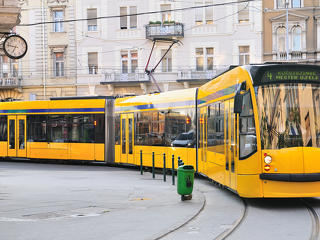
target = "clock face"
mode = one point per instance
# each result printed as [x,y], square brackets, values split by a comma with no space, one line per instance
[15,47]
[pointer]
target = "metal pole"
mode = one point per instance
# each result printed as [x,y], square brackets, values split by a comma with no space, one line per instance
[287,29]
[173,170]
[153,174]
[141,170]
[164,168]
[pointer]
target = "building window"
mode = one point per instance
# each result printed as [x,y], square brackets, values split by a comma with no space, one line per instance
[296,3]
[281,3]
[204,59]
[296,39]
[244,55]
[291,3]
[58,61]
[166,61]
[129,61]
[58,18]
[243,12]
[93,62]
[165,16]
[9,67]
[128,21]
[203,15]
[281,39]
[92,19]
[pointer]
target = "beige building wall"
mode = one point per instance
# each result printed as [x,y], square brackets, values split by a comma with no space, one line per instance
[49,45]
[306,17]
[9,18]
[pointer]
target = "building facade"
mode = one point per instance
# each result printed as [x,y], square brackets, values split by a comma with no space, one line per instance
[106,50]
[9,80]
[291,30]
[49,67]
[113,52]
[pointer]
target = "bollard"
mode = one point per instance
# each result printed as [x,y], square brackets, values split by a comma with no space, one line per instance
[153,174]
[172,169]
[141,170]
[180,162]
[164,168]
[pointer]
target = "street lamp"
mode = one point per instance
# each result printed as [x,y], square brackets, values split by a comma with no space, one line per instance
[287,29]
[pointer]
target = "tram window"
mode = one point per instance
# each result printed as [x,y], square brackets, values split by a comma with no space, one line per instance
[117,129]
[99,128]
[58,128]
[173,128]
[248,139]
[3,128]
[180,125]
[216,128]
[37,128]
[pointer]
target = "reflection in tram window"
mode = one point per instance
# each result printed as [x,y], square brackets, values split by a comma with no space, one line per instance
[248,138]
[21,134]
[216,128]
[12,134]
[159,128]
[75,128]
[289,115]
[37,128]
[117,129]
[3,128]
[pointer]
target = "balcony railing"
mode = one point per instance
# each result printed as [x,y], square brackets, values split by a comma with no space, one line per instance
[10,82]
[196,75]
[294,55]
[165,30]
[116,77]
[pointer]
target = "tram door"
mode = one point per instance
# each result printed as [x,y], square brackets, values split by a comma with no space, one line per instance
[231,146]
[17,136]
[127,138]
[203,140]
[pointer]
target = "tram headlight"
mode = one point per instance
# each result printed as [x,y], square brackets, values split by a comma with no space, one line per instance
[267,168]
[267,159]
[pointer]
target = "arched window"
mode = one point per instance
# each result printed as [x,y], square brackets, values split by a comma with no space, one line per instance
[296,38]
[281,39]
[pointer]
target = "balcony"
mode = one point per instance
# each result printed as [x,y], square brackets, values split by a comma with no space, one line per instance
[124,78]
[193,75]
[10,82]
[164,30]
[294,55]
[9,14]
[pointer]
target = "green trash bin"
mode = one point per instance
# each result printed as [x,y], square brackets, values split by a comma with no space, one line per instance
[185,181]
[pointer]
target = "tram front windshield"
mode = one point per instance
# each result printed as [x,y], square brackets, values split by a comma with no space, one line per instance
[289,115]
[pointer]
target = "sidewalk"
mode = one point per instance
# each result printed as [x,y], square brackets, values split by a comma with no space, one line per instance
[48,201]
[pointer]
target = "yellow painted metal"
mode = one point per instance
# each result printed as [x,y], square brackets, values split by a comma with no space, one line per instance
[278,189]
[23,106]
[311,160]
[249,186]
[172,97]
[82,151]
[203,141]
[99,152]
[127,138]
[3,149]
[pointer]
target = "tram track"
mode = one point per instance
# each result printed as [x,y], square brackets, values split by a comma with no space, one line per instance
[236,224]
[186,222]
[315,229]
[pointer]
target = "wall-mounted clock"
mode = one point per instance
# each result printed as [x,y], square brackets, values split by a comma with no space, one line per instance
[15,46]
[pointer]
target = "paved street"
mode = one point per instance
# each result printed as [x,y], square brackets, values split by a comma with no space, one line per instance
[47,201]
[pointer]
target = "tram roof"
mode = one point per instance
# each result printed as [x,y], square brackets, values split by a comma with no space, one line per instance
[157,101]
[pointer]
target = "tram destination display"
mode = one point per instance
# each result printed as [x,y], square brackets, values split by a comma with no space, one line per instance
[292,74]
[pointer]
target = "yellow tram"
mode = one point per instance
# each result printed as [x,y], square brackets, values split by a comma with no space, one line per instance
[254,129]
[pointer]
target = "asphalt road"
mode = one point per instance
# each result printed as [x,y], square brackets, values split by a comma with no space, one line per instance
[52,201]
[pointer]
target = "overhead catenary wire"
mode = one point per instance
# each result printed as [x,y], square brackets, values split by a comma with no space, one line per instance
[141,13]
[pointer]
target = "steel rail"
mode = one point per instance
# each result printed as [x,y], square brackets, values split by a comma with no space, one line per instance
[315,229]
[237,223]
